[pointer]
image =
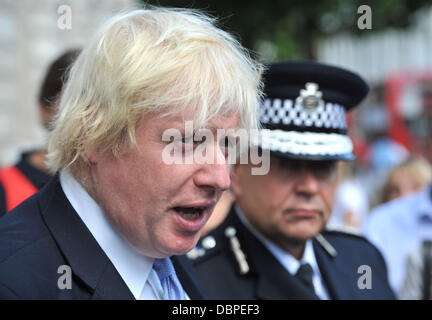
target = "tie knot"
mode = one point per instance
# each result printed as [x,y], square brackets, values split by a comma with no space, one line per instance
[304,274]
[305,269]
[163,267]
[172,288]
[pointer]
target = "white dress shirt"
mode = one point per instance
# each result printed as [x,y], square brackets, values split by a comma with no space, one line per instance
[135,269]
[398,228]
[288,261]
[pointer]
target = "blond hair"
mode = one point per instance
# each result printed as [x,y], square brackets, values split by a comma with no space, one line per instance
[151,60]
[416,167]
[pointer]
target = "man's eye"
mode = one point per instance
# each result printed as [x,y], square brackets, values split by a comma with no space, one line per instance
[186,140]
[227,142]
[194,139]
[224,143]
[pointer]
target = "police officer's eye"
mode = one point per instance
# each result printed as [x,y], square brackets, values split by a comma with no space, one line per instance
[323,168]
[288,164]
[328,165]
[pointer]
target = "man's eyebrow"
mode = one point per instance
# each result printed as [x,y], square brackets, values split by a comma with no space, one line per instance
[229,130]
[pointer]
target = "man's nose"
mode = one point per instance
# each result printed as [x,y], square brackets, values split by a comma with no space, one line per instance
[216,174]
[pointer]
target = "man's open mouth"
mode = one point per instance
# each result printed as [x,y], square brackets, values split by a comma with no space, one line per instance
[190,213]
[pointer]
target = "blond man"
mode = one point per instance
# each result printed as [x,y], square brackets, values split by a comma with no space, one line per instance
[115,212]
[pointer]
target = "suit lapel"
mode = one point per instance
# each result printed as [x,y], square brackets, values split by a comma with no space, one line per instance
[81,251]
[335,277]
[274,282]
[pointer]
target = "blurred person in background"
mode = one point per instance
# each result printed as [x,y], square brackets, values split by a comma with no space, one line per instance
[399,227]
[408,177]
[383,154]
[20,181]
[417,283]
[351,202]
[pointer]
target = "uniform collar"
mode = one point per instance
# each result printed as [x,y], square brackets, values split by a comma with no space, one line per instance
[288,261]
[133,267]
[278,284]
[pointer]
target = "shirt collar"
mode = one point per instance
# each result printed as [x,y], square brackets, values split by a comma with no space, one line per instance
[133,267]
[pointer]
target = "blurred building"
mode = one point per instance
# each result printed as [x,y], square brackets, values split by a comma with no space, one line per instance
[32,34]
[375,54]
[398,66]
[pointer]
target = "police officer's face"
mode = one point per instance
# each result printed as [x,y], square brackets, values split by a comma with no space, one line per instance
[159,208]
[292,202]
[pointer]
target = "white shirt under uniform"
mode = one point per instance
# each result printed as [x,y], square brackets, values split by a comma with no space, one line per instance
[290,263]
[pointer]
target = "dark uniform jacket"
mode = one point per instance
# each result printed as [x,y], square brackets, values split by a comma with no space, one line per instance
[45,233]
[233,264]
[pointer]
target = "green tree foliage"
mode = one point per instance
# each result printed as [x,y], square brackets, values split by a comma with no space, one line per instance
[291,28]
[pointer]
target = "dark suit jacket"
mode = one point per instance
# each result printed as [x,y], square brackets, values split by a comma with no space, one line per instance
[219,269]
[44,233]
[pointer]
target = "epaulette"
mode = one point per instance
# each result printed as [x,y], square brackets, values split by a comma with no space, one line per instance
[214,243]
[204,248]
[331,251]
[343,229]
[346,232]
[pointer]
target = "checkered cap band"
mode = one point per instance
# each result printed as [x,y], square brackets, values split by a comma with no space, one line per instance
[288,112]
[303,143]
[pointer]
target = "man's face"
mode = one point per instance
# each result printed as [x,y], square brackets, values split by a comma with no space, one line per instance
[292,202]
[160,208]
[401,184]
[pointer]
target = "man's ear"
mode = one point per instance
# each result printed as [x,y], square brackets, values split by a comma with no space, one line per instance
[91,154]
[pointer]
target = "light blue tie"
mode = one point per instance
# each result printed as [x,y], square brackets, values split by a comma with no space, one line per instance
[171,285]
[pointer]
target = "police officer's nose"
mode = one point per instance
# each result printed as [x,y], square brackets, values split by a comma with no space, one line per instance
[306,183]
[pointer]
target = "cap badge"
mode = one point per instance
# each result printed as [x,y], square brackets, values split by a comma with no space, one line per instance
[310,97]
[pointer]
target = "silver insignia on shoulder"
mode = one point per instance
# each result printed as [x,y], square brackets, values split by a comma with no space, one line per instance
[230,232]
[326,245]
[208,242]
[310,97]
[195,253]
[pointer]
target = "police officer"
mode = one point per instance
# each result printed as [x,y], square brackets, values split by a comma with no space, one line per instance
[273,244]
